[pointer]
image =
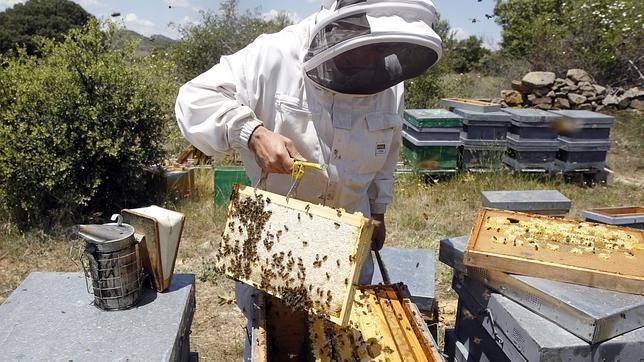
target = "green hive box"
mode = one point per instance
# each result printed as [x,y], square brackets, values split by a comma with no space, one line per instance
[443,155]
[225,178]
[433,118]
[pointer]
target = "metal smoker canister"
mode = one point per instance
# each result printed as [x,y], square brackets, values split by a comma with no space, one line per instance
[110,259]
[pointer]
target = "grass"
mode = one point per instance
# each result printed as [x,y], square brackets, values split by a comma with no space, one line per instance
[420,216]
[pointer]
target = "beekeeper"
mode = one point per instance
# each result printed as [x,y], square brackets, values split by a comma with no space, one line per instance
[327,90]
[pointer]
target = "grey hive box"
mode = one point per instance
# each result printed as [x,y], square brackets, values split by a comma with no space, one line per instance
[592,314]
[531,115]
[416,268]
[546,202]
[50,316]
[470,115]
[535,338]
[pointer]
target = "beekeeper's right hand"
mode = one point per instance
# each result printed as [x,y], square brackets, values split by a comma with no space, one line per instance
[274,153]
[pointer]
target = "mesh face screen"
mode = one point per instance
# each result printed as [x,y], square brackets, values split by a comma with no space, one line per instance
[371,69]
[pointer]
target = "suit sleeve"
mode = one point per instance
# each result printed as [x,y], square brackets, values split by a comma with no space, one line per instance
[214,110]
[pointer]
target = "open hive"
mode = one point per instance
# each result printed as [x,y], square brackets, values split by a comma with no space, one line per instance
[307,255]
[572,251]
[384,326]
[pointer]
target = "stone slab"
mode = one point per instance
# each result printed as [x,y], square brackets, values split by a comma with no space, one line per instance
[51,316]
[416,268]
[526,200]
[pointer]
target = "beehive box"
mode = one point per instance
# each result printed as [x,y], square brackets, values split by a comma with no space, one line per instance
[432,118]
[308,255]
[571,251]
[384,326]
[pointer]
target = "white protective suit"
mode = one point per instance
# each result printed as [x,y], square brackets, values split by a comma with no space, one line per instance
[333,85]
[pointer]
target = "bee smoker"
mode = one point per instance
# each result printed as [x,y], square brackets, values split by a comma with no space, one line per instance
[110,261]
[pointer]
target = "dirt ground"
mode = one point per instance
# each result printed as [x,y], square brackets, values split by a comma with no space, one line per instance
[420,216]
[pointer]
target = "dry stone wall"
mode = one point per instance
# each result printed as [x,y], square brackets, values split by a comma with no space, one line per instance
[543,90]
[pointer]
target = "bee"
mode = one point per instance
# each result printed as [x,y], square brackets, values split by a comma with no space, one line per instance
[325,258]
[328,276]
[346,281]
[285,228]
[339,212]
[299,218]
[305,243]
[337,225]
[338,262]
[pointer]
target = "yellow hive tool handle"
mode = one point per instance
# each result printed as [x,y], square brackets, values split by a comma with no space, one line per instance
[300,166]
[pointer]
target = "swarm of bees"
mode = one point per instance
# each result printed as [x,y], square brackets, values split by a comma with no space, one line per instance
[248,251]
[581,238]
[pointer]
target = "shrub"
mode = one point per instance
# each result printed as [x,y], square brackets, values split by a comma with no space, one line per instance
[79,124]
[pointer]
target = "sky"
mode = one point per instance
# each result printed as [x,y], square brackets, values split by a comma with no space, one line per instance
[150,17]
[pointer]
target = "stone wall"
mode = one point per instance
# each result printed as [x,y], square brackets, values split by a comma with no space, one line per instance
[578,90]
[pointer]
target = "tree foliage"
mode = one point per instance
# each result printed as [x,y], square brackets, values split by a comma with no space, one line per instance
[78,126]
[220,33]
[601,36]
[47,18]
[467,54]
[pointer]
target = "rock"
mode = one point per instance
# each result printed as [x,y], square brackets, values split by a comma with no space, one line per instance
[512,97]
[633,93]
[579,75]
[637,104]
[592,99]
[587,87]
[560,94]
[541,92]
[545,107]
[576,99]
[560,82]
[551,94]
[611,100]
[541,100]
[562,103]
[531,97]
[624,102]
[600,108]
[589,94]
[585,107]
[570,83]
[599,89]
[518,86]
[539,79]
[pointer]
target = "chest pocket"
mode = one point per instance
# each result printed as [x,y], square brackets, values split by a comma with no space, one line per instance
[371,145]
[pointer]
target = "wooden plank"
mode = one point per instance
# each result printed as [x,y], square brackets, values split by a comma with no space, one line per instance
[310,256]
[260,344]
[430,349]
[595,255]
[405,325]
[389,344]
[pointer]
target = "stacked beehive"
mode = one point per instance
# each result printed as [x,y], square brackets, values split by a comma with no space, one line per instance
[506,317]
[483,138]
[532,140]
[431,139]
[584,140]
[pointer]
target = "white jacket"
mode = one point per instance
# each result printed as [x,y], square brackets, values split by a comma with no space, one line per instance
[358,138]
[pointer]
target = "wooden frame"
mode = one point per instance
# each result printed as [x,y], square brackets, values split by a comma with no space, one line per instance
[329,245]
[385,325]
[621,273]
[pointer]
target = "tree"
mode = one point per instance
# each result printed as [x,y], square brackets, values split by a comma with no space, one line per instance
[220,33]
[467,54]
[47,18]
[601,37]
[78,125]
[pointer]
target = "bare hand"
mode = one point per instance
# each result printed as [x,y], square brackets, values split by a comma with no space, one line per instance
[274,153]
[380,233]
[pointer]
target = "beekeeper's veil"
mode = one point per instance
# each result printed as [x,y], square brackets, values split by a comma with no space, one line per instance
[363,47]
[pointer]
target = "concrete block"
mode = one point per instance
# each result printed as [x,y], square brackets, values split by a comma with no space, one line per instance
[50,316]
[536,201]
[416,268]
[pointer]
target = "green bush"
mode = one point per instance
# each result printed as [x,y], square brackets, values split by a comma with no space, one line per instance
[79,124]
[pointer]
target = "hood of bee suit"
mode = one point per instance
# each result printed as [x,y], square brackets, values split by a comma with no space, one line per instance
[363,47]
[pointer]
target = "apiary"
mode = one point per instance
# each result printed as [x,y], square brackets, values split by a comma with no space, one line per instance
[592,314]
[307,255]
[384,326]
[470,105]
[628,216]
[595,255]
[578,155]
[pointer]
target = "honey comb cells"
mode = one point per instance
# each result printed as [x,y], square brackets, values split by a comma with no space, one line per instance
[271,246]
